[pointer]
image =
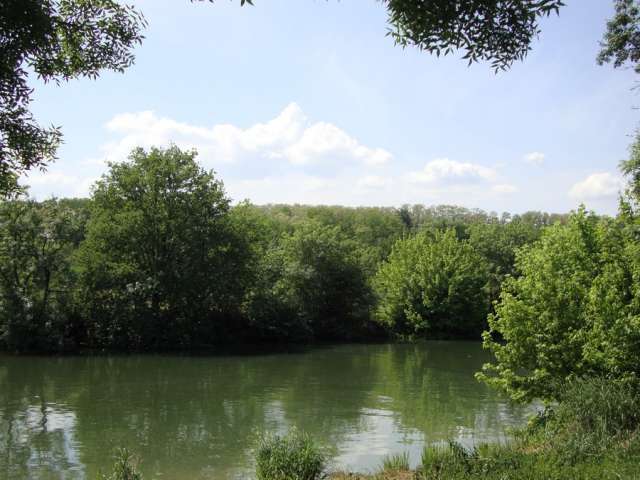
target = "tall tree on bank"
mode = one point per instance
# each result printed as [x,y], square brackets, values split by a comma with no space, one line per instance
[58,40]
[162,265]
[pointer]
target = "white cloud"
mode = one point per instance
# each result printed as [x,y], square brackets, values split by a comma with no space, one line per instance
[534,158]
[287,159]
[504,188]
[326,142]
[445,171]
[289,136]
[597,186]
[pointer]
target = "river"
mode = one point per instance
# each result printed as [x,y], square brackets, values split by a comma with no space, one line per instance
[192,418]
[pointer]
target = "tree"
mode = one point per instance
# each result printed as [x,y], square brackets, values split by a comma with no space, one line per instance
[58,40]
[536,331]
[162,265]
[572,312]
[630,168]
[621,42]
[496,31]
[324,281]
[498,244]
[37,282]
[433,284]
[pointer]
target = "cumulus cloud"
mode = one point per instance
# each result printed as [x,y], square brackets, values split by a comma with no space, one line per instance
[597,186]
[289,136]
[534,158]
[445,171]
[324,141]
[287,158]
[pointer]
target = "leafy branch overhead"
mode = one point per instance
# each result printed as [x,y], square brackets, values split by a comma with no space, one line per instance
[58,40]
[496,31]
[621,42]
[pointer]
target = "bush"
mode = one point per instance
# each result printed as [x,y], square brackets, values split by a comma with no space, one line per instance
[292,457]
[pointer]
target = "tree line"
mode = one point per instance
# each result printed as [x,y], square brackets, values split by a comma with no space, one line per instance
[159,259]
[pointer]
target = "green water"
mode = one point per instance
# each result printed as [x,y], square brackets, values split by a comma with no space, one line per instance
[196,417]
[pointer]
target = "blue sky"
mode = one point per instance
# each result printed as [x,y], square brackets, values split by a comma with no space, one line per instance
[308,101]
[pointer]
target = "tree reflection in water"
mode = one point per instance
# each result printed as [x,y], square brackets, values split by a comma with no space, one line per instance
[196,417]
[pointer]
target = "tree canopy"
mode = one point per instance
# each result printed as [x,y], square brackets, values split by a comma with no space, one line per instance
[621,42]
[161,260]
[158,258]
[58,40]
[433,285]
[497,31]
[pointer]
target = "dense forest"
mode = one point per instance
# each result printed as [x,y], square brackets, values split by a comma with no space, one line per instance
[159,259]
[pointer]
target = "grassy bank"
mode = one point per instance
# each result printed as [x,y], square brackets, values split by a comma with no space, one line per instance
[593,432]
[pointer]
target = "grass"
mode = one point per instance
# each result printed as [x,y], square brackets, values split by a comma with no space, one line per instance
[292,457]
[592,433]
[396,463]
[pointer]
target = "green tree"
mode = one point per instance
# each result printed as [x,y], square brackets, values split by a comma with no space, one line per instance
[324,281]
[572,311]
[163,266]
[58,40]
[498,243]
[433,285]
[497,31]
[37,282]
[621,42]
[612,308]
[630,168]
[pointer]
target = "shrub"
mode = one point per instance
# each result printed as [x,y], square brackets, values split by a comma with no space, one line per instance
[292,457]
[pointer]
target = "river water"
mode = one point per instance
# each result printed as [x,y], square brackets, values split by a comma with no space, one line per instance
[191,418]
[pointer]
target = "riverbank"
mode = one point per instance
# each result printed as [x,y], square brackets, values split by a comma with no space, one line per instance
[592,433]
[519,462]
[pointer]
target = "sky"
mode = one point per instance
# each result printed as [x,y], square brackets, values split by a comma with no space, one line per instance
[308,101]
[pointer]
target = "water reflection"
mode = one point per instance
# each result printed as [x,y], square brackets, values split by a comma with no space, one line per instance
[195,417]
